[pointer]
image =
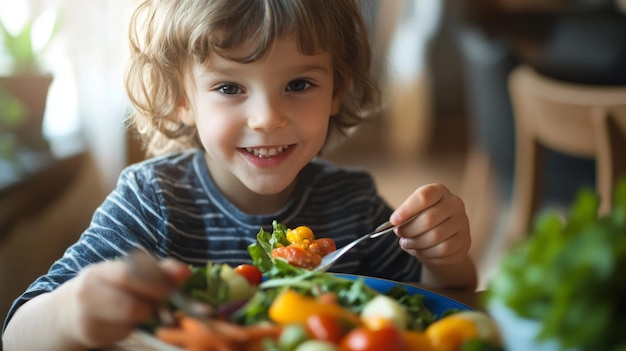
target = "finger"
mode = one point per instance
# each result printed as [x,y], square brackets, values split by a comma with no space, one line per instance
[124,307]
[433,237]
[97,335]
[450,251]
[103,326]
[147,276]
[424,197]
[122,275]
[107,334]
[124,301]
[431,257]
[177,271]
[446,248]
[424,222]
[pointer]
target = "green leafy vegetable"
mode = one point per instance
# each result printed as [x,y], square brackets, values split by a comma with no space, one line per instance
[414,304]
[569,275]
[206,285]
[266,242]
[351,294]
[479,345]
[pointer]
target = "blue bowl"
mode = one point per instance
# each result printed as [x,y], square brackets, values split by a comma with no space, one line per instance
[436,303]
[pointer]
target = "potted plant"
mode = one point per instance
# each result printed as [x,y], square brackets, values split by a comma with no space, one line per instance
[564,287]
[23,91]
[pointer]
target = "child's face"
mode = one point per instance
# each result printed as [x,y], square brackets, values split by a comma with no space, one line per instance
[261,122]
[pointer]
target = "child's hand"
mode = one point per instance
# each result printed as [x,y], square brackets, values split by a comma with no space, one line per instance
[439,235]
[106,301]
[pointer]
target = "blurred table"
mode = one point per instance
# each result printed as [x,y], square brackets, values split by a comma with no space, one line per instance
[472,299]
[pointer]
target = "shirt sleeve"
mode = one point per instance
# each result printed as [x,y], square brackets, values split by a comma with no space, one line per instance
[128,218]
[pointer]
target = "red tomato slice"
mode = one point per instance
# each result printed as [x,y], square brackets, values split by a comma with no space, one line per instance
[297,256]
[362,339]
[326,245]
[252,274]
[324,327]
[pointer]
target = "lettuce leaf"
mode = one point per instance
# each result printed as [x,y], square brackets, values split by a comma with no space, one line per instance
[568,274]
[265,243]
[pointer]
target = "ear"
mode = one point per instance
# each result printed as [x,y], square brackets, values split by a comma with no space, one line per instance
[339,94]
[185,113]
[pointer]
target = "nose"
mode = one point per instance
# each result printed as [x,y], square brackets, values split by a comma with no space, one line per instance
[268,114]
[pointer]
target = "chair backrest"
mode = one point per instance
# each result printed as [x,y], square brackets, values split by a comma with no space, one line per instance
[563,115]
[574,119]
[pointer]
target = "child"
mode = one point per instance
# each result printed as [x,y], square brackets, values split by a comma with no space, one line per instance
[235,101]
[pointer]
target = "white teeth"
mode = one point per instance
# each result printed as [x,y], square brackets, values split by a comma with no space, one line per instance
[266,152]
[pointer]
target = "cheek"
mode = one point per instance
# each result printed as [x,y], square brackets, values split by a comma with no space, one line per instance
[316,122]
[217,129]
[315,135]
[318,130]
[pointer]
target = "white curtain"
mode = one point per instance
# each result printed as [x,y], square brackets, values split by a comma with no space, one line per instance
[94,36]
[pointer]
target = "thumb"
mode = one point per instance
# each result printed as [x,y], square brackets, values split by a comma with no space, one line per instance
[177,271]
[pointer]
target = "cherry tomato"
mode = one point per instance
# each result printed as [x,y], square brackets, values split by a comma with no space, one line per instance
[326,245]
[324,327]
[297,256]
[252,274]
[387,338]
[327,297]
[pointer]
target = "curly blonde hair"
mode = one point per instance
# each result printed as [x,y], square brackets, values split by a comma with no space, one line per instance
[166,35]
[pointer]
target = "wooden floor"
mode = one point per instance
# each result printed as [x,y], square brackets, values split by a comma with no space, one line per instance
[446,160]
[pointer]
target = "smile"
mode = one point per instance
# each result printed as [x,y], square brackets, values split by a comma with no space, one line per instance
[265,152]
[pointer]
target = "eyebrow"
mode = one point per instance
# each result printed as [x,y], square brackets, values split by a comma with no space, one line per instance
[311,67]
[210,70]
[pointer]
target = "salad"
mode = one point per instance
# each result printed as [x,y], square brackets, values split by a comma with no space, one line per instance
[298,247]
[277,306]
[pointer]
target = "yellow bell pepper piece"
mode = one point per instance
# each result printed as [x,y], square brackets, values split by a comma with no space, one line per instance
[300,235]
[293,307]
[449,333]
[417,341]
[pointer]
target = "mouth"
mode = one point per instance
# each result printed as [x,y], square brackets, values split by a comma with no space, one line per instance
[267,152]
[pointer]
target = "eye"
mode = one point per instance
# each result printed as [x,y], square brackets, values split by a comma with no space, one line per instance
[298,85]
[228,89]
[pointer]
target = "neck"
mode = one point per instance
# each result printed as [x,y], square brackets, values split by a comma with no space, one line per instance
[245,199]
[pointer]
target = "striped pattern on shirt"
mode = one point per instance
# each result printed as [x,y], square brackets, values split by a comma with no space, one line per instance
[170,206]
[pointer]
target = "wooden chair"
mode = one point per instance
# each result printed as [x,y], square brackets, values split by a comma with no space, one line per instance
[578,120]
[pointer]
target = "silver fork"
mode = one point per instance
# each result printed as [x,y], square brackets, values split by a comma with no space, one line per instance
[333,257]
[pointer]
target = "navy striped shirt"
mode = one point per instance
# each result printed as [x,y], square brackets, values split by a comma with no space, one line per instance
[170,206]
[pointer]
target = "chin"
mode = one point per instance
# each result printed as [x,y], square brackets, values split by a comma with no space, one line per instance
[269,187]
[268,190]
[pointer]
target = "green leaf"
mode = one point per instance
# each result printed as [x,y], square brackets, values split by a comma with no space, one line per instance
[584,210]
[619,197]
[478,345]
[13,112]
[568,274]
[414,304]
[259,257]
[20,45]
[265,243]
